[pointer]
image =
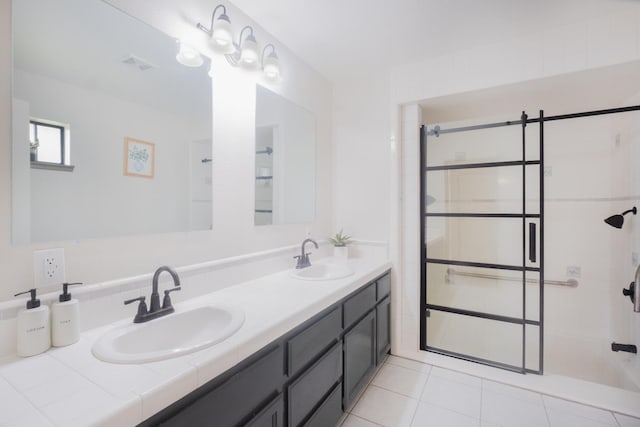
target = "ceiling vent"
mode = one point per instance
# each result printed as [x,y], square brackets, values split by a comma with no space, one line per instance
[138,62]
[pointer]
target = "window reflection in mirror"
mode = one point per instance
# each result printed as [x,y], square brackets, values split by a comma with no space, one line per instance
[107,77]
[285,165]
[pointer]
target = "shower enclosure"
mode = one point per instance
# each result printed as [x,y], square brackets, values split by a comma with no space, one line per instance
[519,270]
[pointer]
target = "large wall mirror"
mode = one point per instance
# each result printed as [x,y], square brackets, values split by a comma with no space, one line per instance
[111,135]
[285,168]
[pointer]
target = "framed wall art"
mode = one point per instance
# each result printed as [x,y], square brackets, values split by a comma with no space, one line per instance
[139,158]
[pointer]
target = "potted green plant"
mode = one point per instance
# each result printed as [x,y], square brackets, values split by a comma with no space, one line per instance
[340,242]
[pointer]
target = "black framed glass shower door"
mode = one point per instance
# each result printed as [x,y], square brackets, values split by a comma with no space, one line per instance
[482,226]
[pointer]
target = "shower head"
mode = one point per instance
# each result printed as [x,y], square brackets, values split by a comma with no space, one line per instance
[617,220]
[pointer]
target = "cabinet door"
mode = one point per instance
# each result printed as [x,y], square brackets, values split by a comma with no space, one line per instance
[359,356]
[383,329]
[271,416]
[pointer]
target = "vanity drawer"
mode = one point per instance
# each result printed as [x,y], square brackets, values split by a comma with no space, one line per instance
[329,412]
[308,390]
[384,286]
[237,397]
[358,305]
[308,344]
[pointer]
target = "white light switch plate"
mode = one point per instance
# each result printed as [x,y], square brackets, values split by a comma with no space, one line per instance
[48,267]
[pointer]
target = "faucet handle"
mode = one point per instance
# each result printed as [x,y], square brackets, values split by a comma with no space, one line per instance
[142,307]
[166,302]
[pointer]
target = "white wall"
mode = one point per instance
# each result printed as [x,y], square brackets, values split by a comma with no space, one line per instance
[96,260]
[361,153]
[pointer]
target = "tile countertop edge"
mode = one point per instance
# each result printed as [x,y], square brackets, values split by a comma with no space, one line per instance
[209,363]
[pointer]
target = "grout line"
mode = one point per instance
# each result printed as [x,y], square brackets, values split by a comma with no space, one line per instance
[617,424]
[424,388]
[483,383]
[481,398]
[546,410]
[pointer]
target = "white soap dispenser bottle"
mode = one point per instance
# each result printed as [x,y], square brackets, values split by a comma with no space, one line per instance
[34,333]
[65,318]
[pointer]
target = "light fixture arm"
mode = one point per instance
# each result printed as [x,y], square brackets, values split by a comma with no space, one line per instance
[273,50]
[234,58]
[209,31]
[247,27]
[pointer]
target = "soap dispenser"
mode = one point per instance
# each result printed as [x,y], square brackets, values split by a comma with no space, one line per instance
[65,318]
[34,333]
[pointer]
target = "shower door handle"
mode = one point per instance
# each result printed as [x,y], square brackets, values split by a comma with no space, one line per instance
[532,242]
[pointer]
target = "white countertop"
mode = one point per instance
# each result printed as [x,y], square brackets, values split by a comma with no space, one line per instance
[68,386]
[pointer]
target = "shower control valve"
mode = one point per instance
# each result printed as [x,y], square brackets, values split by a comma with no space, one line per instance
[633,292]
[630,292]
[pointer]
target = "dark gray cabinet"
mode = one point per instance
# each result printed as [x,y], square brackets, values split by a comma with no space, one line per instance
[329,413]
[306,392]
[236,397]
[359,304]
[307,377]
[383,328]
[312,340]
[271,416]
[359,356]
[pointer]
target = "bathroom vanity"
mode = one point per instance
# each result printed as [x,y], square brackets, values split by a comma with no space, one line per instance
[307,377]
[304,351]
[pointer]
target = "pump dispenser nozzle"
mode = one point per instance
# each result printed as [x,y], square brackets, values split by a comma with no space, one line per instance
[65,295]
[33,302]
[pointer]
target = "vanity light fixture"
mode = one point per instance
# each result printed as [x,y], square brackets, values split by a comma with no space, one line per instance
[245,52]
[189,56]
[220,31]
[270,64]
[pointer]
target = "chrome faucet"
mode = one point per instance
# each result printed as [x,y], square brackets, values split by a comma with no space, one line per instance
[303,258]
[155,310]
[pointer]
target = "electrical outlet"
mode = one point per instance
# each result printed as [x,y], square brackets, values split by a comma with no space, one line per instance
[48,267]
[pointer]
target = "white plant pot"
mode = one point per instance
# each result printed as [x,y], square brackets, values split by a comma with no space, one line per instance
[341,252]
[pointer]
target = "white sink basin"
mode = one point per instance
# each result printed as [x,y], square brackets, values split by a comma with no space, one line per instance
[322,272]
[176,334]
